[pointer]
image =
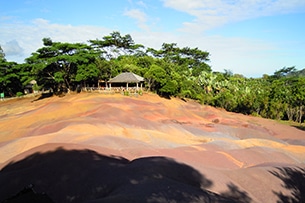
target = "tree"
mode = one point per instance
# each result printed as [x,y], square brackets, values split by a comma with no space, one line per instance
[2,55]
[283,72]
[106,68]
[87,73]
[208,81]
[280,94]
[297,97]
[192,58]
[57,64]
[10,73]
[169,88]
[156,77]
[115,45]
[10,82]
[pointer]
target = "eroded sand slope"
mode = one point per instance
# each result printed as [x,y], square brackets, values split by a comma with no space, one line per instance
[150,138]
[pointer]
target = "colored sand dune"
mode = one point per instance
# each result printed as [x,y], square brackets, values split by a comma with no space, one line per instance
[114,148]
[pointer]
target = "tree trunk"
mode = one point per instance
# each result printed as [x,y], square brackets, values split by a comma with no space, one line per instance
[290,113]
[300,114]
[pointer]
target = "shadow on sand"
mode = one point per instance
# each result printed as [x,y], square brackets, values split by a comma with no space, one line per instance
[300,127]
[293,179]
[236,194]
[44,96]
[86,176]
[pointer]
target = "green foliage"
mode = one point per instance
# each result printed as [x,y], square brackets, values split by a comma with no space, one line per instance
[156,77]
[88,73]
[10,82]
[283,72]
[19,94]
[192,58]
[115,45]
[59,65]
[170,88]
[225,99]
[126,93]
[36,87]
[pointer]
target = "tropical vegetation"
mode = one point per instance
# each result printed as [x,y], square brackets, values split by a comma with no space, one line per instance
[170,72]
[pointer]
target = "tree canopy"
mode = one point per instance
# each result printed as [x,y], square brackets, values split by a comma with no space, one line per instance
[61,65]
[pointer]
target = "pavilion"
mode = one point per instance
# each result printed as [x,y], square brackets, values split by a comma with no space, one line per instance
[125,79]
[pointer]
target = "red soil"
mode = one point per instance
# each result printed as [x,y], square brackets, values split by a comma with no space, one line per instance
[233,151]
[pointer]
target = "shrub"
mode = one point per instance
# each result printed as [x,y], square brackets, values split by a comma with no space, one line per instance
[19,94]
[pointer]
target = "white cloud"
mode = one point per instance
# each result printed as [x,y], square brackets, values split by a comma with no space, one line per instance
[12,48]
[6,18]
[30,36]
[212,13]
[246,56]
[139,16]
[68,33]
[142,4]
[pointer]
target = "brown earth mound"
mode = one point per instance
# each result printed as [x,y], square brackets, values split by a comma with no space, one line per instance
[113,148]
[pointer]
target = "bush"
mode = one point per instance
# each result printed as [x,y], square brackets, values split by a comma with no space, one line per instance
[126,93]
[19,94]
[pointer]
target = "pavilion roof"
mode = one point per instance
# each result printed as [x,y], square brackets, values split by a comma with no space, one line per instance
[126,77]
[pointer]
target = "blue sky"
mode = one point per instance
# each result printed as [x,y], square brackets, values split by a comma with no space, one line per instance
[249,37]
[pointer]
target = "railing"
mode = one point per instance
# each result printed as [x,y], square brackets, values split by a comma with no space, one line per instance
[132,91]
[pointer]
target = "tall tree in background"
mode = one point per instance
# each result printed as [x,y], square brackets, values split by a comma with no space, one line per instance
[59,65]
[186,57]
[115,45]
[284,72]
[156,77]
[9,76]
